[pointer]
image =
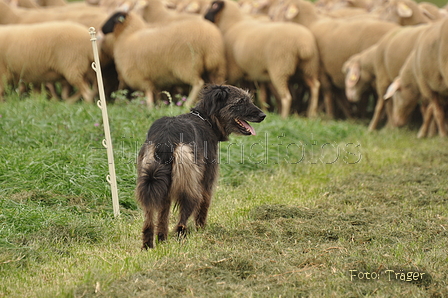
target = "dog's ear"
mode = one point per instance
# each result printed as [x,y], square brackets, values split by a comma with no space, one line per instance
[214,98]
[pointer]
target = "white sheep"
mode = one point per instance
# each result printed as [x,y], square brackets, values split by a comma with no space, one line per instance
[90,17]
[267,51]
[51,2]
[193,6]
[47,52]
[152,58]
[87,16]
[337,40]
[23,3]
[425,68]
[377,66]
[155,12]
[404,12]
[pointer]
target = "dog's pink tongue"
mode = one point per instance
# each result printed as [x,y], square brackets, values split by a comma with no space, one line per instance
[246,125]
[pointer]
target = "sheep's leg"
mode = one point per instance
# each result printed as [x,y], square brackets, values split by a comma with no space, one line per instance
[274,92]
[121,85]
[21,88]
[149,98]
[148,230]
[427,118]
[262,96]
[162,224]
[281,85]
[377,114]
[74,98]
[432,131]
[313,105]
[327,94]
[439,115]
[194,93]
[66,90]
[87,93]
[51,88]
[83,90]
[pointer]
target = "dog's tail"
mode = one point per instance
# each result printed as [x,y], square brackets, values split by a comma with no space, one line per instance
[173,176]
[154,178]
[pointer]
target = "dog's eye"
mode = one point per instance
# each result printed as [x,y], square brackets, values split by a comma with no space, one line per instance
[240,101]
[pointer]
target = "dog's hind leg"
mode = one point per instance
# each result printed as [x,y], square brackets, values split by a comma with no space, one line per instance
[187,205]
[148,230]
[162,224]
[201,215]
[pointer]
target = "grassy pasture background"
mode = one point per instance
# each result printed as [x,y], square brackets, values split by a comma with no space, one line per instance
[297,207]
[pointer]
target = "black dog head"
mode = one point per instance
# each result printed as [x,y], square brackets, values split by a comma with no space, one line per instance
[230,109]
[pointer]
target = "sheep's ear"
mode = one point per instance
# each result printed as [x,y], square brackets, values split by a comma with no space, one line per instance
[351,3]
[353,74]
[192,7]
[261,3]
[427,14]
[140,5]
[291,12]
[125,6]
[403,10]
[396,85]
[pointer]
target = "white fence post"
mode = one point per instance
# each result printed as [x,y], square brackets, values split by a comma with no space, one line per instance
[107,142]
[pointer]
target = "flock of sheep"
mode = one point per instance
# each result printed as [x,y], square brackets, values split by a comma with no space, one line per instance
[332,56]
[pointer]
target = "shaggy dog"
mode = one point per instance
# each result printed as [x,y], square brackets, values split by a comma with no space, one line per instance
[178,161]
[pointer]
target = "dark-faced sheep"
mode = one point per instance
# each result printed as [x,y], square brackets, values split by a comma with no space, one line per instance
[148,59]
[266,51]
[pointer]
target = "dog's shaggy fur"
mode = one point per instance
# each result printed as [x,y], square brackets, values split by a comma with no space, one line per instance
[178,162]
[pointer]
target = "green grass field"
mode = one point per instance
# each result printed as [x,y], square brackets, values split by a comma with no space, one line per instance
[305,208]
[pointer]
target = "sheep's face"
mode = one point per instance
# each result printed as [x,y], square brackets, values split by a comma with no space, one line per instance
[111,24]
[229,108]
[213,12]
[405,99]
[357,80]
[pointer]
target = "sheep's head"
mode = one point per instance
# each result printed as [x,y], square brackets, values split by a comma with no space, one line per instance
[117,19]
[357,80]
[213,12]
[404,98]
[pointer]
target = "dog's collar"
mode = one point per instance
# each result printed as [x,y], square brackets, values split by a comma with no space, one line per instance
[196,113]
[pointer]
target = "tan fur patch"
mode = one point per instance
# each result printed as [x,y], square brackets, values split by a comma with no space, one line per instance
[148,157]
[187,174]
